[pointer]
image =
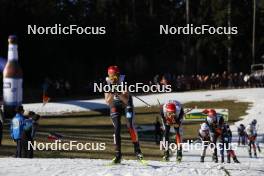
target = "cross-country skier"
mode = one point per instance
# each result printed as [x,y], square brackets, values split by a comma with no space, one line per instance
[215,123]
[172,116]
[226,145]
[205,138]
[252,136]
[242,135]
[254,122]
[121,103]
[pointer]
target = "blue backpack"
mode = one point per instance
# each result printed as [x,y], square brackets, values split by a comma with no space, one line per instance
[28,125]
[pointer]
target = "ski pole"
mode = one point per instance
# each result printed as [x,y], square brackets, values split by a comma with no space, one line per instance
[148,105]
[163,125]
[158,101]
[189,110]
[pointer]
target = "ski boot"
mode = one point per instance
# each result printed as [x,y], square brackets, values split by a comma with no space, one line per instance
[258,149]
[228,159]
[166,156]
[117,159]
[235,159]
[139,156]
[255,155]
[179,156]
[138,152]
[222,159]
[250,154]
[202,159]
[215,158]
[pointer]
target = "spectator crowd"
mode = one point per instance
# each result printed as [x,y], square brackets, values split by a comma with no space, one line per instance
[209,81]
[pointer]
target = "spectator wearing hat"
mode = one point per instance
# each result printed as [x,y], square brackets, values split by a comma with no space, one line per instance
[29,131]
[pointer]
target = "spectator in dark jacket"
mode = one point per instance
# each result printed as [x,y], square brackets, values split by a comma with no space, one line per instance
[29,130]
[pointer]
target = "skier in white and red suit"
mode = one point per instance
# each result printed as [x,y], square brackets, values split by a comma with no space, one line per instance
[252,136]
[215,122]
[172,116]
[204,135]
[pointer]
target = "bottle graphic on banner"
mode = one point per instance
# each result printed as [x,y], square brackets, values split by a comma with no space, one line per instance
[12,79]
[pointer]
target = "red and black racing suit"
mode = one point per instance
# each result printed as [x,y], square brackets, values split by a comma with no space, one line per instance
[116,111]
[178,129]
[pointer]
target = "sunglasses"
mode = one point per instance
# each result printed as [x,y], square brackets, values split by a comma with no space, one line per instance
[169,114]
[113,77]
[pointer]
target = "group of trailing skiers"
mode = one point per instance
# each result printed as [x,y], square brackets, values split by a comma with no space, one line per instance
[213,130]
[247,136]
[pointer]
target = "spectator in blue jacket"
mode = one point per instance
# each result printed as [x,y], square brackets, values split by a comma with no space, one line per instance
[16,129]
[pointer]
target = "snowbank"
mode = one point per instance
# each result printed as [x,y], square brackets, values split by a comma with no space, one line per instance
[256,96]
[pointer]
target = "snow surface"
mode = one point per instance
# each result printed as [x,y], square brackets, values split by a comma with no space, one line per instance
[190,164]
